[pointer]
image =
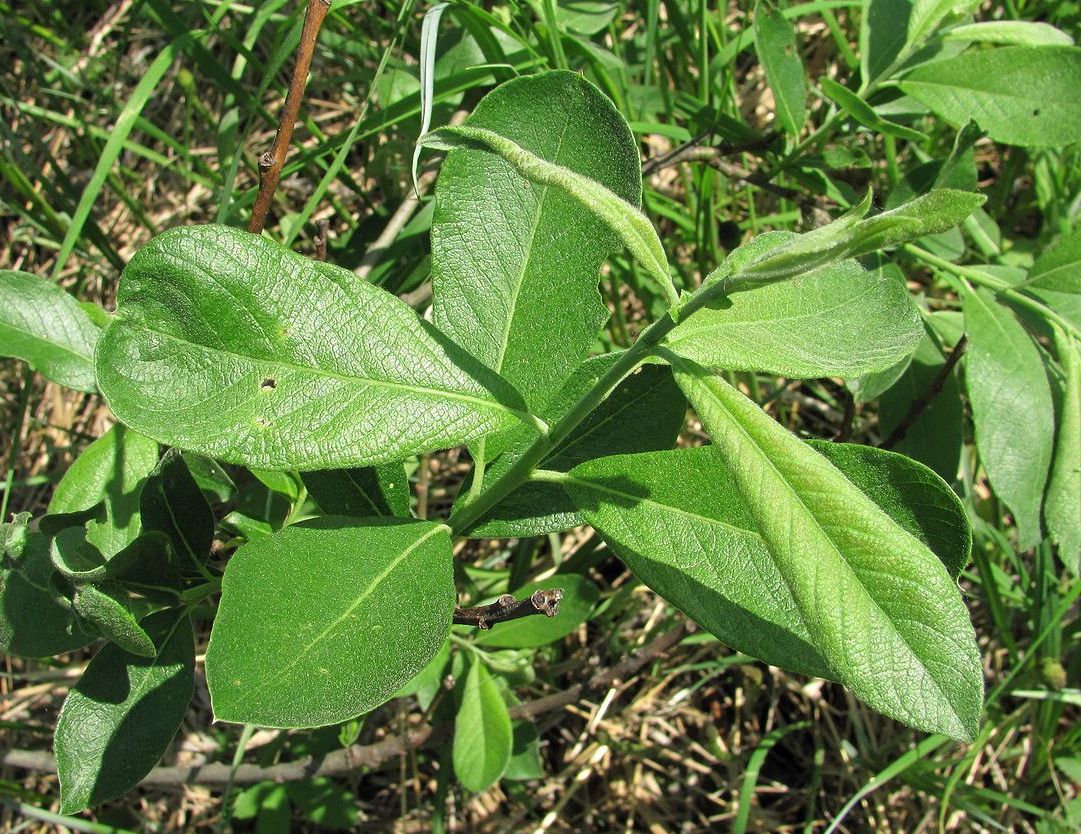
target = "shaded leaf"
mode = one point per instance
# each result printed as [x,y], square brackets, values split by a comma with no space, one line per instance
[121,715]
[778,53]
[1062,508]
[44,326]
[368,491]
[935,437]
[172,503]
[32,622]
[110,472]
[483,739]
[232,346]
[327,619]
[645,412]
[1012,410]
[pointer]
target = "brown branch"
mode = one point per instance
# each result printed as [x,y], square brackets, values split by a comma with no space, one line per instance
[370,755]
[270,163]
[508,608]
[920,404]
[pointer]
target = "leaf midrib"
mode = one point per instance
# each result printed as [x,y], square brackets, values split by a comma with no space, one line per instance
[798,500]
[492,405]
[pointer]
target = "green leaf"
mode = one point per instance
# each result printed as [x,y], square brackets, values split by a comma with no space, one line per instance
[837,320]
[113,619]
[112,470]
[1061,508]
[230,345]
[1056,277]
[883,34]
[928,14]
[483,739]
[1012,32]
[327,619]
[147,565]
[1012,409]
[862,112]
[172,503]
[645,412]
[881,608]
[848,237]
[515,265]
[684,532]
[778,53]
[1021,95]
[368,491]
[579,597]
[325,802]
[32,622]
[525,761]
[935,437]
[43,325]
[120,717]
[622,217]
[911,494]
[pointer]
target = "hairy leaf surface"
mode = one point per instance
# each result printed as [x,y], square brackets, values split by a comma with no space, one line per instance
[515,264]
[327,619]
[881,608]
[837,320]
[232,346]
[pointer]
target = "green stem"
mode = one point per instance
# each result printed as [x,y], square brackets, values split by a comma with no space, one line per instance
[476,506]
[997,285]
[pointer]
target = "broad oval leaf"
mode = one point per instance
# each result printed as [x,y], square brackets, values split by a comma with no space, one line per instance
[230,345]
[837,320]
[483,738]
[1021,95]
[43,325]
[327,619]
[880,606]
[680,525]
[515,265]
[778,53]
[1012,410]
[686,533]
[121,715]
